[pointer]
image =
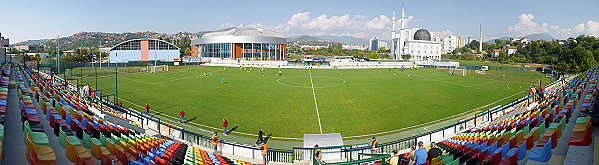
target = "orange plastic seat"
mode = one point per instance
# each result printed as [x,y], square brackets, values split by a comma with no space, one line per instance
[43,154]
[78,151]
[98,151]
[581,138]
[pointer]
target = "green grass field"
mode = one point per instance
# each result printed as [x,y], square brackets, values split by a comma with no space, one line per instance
[350,101]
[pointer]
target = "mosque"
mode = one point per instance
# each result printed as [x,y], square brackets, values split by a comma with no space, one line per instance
[416,42]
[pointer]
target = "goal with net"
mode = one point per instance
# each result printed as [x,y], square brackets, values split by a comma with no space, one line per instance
[158,68]
[459,70]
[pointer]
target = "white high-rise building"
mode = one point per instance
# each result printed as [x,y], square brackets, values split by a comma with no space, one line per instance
[373,44]
[416,42]
[452,42]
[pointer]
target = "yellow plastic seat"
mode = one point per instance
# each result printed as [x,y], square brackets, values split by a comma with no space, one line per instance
[98,151]
[111,148]
[80,150]
[44,154]
[579,128]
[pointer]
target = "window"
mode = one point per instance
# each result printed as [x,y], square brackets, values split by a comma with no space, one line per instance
[218,50]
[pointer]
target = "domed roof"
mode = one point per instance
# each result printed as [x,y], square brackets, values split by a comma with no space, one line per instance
[422,34]
[244,31]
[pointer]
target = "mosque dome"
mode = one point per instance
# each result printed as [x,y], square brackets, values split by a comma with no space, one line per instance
[422,34]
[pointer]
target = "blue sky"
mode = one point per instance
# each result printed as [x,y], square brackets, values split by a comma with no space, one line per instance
[35,19]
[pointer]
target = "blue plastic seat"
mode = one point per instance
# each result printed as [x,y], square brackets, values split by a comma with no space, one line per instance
[68,119]
[482,147]
[504,149]
[520,150]
[492,148]
[541,154]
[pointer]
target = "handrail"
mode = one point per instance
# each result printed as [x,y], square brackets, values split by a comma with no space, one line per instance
[297,153]
[382,157]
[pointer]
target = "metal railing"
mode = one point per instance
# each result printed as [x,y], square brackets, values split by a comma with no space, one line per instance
[345,153]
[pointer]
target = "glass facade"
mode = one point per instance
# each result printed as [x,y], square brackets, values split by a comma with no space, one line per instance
[152,44]
[264,51]
[131,45]
[261,51]
[160,45]
[218,50]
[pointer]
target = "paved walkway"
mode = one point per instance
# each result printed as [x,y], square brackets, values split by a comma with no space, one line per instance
[14,148]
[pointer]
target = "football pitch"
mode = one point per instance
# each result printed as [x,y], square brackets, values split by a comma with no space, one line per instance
[353,102]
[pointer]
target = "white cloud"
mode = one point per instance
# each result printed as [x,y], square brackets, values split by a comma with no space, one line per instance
[227,25]
[527,26]
[442,34]
[345,25]
[359,16]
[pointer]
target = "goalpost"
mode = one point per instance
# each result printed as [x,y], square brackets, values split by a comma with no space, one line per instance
[459,70]
[153,69]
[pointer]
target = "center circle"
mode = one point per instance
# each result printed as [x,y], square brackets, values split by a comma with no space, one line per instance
[304,81]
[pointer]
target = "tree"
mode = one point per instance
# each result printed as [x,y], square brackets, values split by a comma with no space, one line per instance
[406,56]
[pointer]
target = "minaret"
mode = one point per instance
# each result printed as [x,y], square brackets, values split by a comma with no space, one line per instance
[403,17]
[480,43]
[402,38]
[393,24]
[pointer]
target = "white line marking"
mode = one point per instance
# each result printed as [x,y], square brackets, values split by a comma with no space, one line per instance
[314,94]
[432,122]
[278,81]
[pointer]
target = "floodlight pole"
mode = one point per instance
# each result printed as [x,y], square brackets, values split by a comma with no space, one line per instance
[96,71]
[116,89]
[58,53]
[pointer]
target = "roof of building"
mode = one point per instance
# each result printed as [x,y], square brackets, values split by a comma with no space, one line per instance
[243,31]
[134,45]
[497,50]
[422,34]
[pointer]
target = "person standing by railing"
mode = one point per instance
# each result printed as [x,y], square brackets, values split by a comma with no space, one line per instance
[374,146]
[147,109]
[264,151]
[215,142]
[181,116]
[318,155]
[541,91]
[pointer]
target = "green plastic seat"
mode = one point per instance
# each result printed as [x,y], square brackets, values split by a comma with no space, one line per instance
[1,132]
[104,140]
[87,141]
[525,131]
[563,122]
[39,138]
[542,128]
[553,125]
[63,139]
[582,120]
[114,139]
[25,97]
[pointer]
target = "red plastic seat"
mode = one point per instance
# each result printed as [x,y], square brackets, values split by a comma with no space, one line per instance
[581,138]
[493,159]
[512,160]
[546,139]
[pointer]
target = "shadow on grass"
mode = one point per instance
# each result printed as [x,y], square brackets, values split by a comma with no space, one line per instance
[187,121]
[232,129]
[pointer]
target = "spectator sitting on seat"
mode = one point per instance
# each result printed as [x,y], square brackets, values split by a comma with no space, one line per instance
[394,158]
[411,159]
[434,152]
[420,154]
